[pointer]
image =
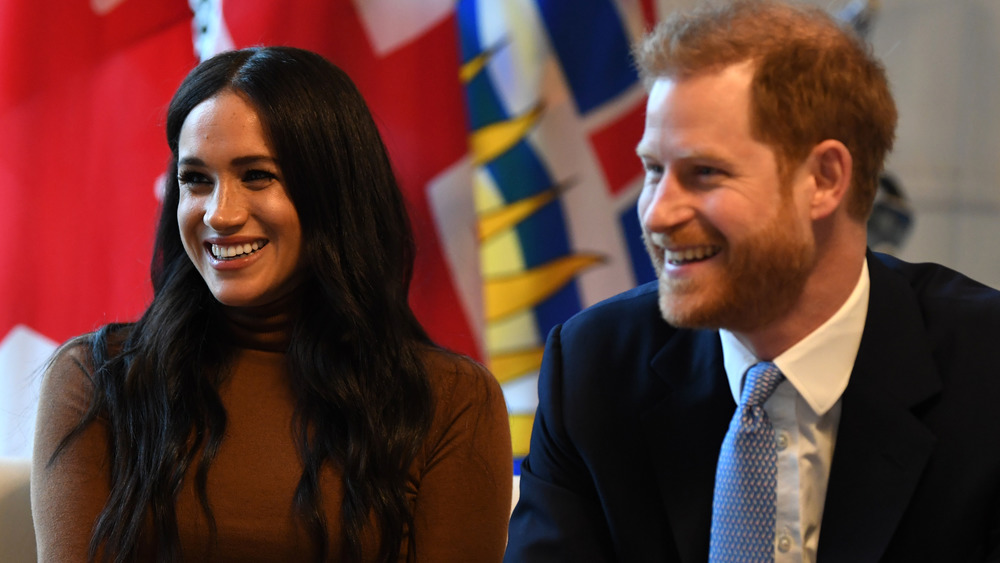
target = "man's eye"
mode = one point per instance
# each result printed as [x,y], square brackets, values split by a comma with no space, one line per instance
[706,171]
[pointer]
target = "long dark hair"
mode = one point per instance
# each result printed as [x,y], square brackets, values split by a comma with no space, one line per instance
[363,403]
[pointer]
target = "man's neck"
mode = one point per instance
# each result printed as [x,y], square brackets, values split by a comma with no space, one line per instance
[826,290]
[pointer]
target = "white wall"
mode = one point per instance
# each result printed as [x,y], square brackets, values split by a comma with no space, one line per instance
[943,59]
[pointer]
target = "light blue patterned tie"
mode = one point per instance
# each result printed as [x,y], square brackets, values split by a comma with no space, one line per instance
[746,478]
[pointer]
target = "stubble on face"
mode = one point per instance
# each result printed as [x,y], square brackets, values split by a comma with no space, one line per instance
[761,277]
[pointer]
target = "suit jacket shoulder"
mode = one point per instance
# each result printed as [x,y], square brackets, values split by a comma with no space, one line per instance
[949,301]
[918,410]
[620,460]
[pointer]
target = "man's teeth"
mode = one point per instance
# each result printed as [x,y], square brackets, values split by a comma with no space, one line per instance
[231,251]
[694,254]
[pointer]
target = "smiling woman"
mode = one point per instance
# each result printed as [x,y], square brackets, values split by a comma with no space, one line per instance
[278,400]
[238,223]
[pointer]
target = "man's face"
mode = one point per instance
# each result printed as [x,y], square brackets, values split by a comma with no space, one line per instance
[731,245]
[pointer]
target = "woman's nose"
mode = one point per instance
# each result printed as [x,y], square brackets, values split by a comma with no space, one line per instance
[226,210]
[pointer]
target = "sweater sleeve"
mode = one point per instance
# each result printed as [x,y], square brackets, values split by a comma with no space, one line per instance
[464,490]
[68,490]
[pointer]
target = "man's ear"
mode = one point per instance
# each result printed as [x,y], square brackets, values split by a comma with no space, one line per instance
[830,164]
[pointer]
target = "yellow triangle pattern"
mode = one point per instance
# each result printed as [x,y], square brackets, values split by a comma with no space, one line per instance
[491,141]
[469,70]
[510,294]
[510,291]
[511,365]
[496,221]
[520,433]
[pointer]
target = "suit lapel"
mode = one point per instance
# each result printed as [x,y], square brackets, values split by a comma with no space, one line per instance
[685,430]
[881,447]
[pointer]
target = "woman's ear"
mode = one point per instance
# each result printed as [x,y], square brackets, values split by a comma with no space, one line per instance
[830,164]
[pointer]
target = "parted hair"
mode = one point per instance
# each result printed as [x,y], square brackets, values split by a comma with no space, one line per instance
[814,80]
[362,400]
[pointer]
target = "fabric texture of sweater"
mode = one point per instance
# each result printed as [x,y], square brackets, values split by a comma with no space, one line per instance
[459,485]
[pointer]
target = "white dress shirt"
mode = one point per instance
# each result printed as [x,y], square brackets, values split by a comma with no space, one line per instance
[805,413]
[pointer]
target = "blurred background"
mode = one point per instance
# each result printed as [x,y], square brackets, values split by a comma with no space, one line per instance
[511,124]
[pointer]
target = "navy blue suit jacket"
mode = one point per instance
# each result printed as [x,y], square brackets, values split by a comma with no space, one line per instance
[632,413]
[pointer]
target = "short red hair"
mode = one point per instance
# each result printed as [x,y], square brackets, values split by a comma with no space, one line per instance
[814,80]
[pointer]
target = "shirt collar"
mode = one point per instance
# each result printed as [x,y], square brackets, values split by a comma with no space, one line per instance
[818,366]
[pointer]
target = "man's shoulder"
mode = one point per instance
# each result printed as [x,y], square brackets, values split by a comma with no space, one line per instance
[642,297]
[635,309]
[942,289]
[952,307]
[628,325]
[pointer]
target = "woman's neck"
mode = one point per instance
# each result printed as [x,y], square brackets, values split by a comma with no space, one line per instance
[265,327]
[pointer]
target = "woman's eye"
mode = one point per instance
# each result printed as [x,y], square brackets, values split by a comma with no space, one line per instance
[653,169]
[259,176]
[192,179]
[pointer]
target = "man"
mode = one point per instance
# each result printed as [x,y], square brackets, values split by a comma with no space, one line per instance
[767,126]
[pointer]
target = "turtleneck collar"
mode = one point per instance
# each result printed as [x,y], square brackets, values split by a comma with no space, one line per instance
[265,327]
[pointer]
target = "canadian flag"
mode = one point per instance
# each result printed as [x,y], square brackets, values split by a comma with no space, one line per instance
[83,90]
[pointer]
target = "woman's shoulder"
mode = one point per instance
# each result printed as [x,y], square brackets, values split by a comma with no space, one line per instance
[447,370]
[462,387]
[72,365]
[67,387]
[468,404]
[73,358]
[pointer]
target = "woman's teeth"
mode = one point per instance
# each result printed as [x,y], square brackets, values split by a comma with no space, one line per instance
[231,251]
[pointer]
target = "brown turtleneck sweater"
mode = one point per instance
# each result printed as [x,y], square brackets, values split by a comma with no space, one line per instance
[460,482]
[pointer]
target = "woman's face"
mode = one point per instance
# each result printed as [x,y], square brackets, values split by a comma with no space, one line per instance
[237,223]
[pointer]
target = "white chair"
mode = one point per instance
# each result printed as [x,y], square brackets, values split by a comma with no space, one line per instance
[515,493]
[17,534]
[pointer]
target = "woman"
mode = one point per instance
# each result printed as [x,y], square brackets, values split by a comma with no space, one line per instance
[277,400]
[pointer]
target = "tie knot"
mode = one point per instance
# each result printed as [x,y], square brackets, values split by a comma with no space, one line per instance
[762,379]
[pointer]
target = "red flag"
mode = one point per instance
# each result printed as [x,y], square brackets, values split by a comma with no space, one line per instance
[83,92]
[404,58]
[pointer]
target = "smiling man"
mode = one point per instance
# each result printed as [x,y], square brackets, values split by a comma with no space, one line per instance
[780,393]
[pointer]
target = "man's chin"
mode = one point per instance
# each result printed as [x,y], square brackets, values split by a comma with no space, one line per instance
[687,311]
[733,314]
[724,309]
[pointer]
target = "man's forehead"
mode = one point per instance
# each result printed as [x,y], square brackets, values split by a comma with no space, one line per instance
[704,98]
[745,68]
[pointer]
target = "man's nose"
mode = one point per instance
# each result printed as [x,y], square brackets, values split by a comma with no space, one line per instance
[670,205]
